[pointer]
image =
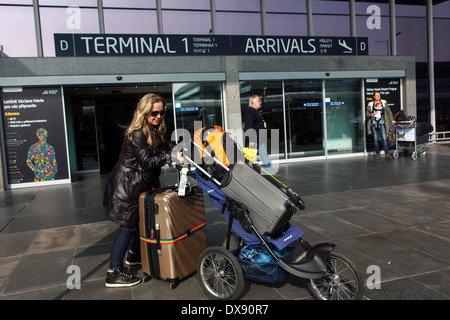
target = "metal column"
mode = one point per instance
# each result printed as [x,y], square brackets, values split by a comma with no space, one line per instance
[263,17]
[310,19]
[393,27]
[37,25]
[431,63]
[213,17]
[159,17]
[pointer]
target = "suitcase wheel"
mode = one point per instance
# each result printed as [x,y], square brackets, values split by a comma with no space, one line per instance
[174,284]
[146,277]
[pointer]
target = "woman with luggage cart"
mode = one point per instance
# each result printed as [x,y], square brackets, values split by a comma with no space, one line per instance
[144,152]
[379,117]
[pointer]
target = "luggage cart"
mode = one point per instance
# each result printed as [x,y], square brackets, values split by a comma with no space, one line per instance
[406,138]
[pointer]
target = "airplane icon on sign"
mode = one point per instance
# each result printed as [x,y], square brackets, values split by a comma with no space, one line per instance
[342,43]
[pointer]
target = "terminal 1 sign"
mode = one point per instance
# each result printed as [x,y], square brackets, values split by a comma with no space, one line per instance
[81,45]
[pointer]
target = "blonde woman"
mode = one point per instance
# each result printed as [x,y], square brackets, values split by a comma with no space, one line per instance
[144,152]
[381,117]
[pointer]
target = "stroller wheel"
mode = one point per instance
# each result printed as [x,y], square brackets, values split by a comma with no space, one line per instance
[341,282]
[220,274]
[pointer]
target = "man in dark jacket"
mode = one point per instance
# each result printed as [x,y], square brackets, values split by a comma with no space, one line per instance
[253,120]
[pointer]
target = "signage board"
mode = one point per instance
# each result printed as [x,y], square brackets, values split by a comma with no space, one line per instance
[34,136]
[389,90]
[82,45]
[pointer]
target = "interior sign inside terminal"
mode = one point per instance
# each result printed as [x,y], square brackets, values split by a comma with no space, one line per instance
[172,45]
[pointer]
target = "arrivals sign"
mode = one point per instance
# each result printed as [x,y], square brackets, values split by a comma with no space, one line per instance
[82,45]
[34,136]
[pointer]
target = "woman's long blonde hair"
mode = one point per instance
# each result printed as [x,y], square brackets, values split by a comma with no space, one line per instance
[154,134]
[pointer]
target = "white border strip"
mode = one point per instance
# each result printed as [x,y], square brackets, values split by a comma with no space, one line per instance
[109,79]
[321,75]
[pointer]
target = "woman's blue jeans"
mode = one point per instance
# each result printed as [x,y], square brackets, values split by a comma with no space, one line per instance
[382,131]
[126,238]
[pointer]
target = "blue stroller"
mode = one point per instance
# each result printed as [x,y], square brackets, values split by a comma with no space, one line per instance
[224,274]
[269,249]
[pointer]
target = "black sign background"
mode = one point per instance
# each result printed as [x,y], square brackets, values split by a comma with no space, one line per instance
[24,112]
[80,45]
[389,90]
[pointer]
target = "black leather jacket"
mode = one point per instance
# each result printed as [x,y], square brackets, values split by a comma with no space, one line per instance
[137,170]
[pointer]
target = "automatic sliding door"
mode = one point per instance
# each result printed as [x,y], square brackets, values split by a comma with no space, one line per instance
[304,118]
[271,95]
[197,102]
[345,126]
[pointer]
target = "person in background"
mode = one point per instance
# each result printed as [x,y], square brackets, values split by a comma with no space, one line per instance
[253,119]
[380,118]
[144,152]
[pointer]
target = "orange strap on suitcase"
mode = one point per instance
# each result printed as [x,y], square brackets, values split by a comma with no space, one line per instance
[176,239]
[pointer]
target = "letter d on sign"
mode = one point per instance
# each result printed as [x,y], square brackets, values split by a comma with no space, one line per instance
[63,45]
[74,280]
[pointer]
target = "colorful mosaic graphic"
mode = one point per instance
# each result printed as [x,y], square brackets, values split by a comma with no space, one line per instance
[41,158]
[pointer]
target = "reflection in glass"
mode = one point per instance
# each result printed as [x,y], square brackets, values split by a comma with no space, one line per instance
[271,95]
[186,22]
[132,21]
[129,4]
[286,24]
[235,22]
[65,20]
[200,102]
[17,32]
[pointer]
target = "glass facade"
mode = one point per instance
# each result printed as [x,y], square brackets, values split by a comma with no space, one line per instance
[133,21]
[96,117]
[311,117]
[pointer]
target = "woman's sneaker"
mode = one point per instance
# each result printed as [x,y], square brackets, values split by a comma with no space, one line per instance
[133,258]
[117,279]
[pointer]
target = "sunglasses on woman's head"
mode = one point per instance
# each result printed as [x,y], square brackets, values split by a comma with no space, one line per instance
[156,112]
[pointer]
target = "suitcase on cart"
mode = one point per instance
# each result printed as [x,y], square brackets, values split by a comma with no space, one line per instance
[269,202]
[172,232]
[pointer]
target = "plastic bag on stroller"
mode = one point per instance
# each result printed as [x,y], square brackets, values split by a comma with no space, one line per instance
[258,264]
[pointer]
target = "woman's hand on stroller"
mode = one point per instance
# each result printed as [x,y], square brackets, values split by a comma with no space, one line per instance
[180,158]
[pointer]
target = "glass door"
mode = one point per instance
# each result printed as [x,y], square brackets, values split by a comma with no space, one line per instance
[345,124]
[84,129]
[304,118]
[197,105]
[271,95]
